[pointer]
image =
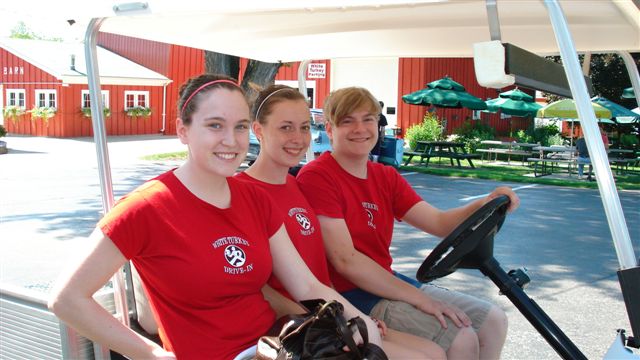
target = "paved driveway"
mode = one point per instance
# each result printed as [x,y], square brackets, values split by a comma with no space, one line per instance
[50,201]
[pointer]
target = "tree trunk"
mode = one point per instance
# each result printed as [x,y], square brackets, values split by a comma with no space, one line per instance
[217,63]
[258,76]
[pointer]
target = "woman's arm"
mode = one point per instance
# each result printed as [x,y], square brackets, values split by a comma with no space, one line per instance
[281,304]
[441,223]
[371,277]
[72,301]
[296,277]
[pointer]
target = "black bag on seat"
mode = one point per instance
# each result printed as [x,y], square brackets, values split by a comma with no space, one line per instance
[320,334]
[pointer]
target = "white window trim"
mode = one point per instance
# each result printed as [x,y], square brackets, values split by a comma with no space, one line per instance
[17,91]
[135,94]
[105,98]
[46,93]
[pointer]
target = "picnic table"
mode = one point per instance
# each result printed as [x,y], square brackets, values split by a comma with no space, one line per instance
[551,157]
[506,147]
[441,149]
[621,159]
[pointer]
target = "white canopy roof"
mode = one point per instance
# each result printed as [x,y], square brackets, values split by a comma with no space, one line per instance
[290,30]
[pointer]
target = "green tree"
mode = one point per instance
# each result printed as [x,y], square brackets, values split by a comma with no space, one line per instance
[608,75]
[22,31]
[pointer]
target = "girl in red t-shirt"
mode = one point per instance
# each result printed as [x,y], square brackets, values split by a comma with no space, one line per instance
[203,242]
[282,125]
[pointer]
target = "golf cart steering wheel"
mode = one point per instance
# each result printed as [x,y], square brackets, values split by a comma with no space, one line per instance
[469,245]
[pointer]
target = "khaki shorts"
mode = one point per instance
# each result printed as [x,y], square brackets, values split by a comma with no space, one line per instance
[402,316]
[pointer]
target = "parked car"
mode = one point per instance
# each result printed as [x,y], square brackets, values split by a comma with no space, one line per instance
[319,139]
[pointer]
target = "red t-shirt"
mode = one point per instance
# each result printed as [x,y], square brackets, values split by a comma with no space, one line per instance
[203,267]
[368,206]
[301,224]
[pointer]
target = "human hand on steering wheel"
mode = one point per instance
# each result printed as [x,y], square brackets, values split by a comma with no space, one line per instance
[505,190]
[440,309]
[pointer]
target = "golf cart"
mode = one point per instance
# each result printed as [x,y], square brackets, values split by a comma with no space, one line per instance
[291,31]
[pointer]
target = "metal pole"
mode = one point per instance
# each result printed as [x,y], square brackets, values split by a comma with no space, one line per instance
[597,153]
[302,88]
[104,167]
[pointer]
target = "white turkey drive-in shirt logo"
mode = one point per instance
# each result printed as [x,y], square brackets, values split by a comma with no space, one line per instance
[303,221]
[234,255]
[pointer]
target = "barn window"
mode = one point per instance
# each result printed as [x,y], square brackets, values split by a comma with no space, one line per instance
[46,98]
[136,99]
[86,99]
[16,97]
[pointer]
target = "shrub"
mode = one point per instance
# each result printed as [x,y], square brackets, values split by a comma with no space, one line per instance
[12,112]
[86,111]
[472,133]
[545,135]
[137,111]
[44,113]
[628,141]
[429,130]
[3,131]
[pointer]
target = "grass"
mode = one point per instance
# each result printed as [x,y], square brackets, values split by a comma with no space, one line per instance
[485,170]
[178,155]
[520,174]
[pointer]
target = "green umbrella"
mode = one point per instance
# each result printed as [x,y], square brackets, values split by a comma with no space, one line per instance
[514,102]
[516,94]
[445,93]
[621,114]
[628,93]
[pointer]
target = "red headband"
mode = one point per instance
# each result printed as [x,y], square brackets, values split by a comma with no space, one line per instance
[202,87]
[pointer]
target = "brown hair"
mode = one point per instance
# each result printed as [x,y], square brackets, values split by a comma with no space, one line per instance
[191,91]
[343,102]
[269,97]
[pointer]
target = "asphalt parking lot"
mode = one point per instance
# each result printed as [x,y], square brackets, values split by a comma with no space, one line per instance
[50,201]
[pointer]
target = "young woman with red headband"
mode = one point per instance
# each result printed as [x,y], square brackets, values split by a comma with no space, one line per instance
[203,242]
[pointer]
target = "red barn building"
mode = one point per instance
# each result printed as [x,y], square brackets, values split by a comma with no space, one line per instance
[39,75]
[149,73]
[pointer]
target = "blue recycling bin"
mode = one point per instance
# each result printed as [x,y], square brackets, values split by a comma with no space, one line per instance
[391,151]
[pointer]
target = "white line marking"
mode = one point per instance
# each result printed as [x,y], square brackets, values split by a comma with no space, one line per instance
[485,195]
[409,173]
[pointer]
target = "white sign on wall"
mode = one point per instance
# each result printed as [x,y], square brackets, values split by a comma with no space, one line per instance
[316,71]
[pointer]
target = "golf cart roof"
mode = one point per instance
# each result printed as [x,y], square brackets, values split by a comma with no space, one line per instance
[292,30]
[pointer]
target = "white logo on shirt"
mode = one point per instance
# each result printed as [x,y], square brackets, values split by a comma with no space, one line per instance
[368,207]
[303,220]
[234,255]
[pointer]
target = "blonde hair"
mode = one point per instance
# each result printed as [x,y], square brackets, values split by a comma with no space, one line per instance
[343,102]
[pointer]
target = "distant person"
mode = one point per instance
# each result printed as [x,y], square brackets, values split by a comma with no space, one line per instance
[382,123]
[583,153]
[356,202]
[583,157]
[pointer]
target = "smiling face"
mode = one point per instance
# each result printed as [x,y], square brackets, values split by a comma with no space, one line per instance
[218,134]
[355,134]
[352,122]
[285,133]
